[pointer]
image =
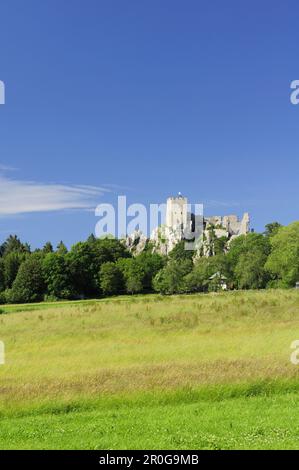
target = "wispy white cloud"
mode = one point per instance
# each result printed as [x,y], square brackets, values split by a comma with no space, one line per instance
[7,168]
[21,197]
[225,204]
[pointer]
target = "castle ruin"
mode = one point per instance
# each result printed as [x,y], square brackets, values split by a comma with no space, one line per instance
[209,232]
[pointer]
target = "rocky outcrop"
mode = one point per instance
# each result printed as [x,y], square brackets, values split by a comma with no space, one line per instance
[214,234]
[136,242]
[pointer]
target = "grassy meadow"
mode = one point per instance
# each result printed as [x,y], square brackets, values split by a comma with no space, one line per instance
[206,371]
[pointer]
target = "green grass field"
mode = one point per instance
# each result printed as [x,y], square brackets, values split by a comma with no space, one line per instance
[149,372]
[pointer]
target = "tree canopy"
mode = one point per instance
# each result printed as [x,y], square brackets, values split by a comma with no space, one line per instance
[103,267]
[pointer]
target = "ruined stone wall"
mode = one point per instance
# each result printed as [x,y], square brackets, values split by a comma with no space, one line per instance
[230,223]
[165,238]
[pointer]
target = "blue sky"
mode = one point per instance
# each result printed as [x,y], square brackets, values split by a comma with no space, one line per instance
[146,98]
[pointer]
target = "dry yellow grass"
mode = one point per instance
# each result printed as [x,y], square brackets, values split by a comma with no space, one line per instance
[147,343]
[187,372]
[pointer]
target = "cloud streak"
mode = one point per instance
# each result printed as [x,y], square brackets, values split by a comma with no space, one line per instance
[21,197]
[6,168]
[224,204]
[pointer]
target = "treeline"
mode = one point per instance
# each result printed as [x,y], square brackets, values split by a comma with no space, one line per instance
[104,267]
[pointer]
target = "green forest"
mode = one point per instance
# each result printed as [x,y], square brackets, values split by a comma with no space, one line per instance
[104,267]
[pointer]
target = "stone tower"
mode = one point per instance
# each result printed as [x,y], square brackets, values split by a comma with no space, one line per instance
[177,213]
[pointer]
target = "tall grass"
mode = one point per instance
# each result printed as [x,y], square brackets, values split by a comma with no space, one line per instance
[144,344]
[147,351]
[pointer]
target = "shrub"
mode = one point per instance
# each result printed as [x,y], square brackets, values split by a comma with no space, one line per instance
[29,284]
